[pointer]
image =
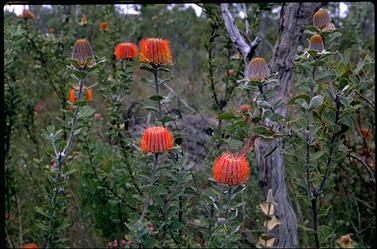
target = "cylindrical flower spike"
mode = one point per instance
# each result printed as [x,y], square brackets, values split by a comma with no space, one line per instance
[125,50]
[321,18]
[82,51]
[316,43]
[328,27]
[231,169]
[103,25]
[27,14]
[155,51]
[258,69]
[156,139]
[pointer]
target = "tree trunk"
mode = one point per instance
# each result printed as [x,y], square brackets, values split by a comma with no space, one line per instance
[270,161]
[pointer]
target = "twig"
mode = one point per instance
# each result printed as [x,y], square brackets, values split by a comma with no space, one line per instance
[367,100]
[370,173]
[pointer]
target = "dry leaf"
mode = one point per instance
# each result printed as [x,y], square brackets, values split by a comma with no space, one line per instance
[267,208]
[265,241]
[271,223]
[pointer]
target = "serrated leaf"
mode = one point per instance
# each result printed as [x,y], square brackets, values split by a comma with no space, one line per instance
[226,116]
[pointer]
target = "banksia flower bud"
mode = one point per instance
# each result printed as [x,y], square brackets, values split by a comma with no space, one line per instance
[316,43]
[156,139]
[328,27]
[231,169]
[156,51]
[258,69]
[89,94]
[30,246]
[82,51]
[27,14]
[245,108]
[84,20]
[103,25]
[125,50]
[72,95]
[321,18]
[51,30]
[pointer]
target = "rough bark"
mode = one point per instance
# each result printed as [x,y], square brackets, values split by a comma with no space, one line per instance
[271,168]
[270,161]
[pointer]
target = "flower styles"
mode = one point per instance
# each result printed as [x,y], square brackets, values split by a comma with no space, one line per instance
[30,246]
[316,43]
[245,107]
[104,26]
[156,139]
[321,18]
[125,50]
[258,69]
[73,94]
[82,51]
[231,169]
[155,51]
[27,14]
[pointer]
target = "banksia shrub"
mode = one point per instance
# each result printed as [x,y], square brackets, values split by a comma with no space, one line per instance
[316,43]
[27,14]
[82,51]
[156,139]
[231,169]
[321,18]
[258,69]
[125,50]
[104,26]
[155,51]
[30,246]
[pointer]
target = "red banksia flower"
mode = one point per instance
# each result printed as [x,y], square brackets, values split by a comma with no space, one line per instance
[321,18]
[30,246]
[231,169]
[125,50]
[245,107]
[316,43]
[258,69]
[72,95]
[155,51]
[74,92]
[51,30]
[103,25]
[156,139]
[27,14]
[82,51]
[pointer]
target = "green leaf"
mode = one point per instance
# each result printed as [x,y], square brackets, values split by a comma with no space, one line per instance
[226,116]
[334,128]
[340,70]
[150,108]
[325,233]
[86,111]
[302,103]
[302,96]
[80,74]
[156,97]
[315,102]
[262,131]
[168,118]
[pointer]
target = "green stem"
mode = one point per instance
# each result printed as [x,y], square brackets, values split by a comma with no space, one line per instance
[229,194]
[152,182]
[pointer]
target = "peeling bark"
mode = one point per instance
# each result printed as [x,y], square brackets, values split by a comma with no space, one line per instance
[270,161]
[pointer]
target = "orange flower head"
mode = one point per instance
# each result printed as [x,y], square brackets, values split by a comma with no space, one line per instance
[258,69]
[328,27]
[245,107]
[103,25]
[231,169]
[365,133]
[345,241]
[125,50]
[155,51]
[156,139]
[316,43]
[89,94]
[72,95]
[51,30]
[27,14]
[82,51]
[30,246]
[321,18]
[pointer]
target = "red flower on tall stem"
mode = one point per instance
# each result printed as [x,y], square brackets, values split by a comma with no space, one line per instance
[156,139]
[231,169]
[125,50]
[155,51]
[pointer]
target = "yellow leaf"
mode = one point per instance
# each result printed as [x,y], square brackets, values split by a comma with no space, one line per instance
[271,223]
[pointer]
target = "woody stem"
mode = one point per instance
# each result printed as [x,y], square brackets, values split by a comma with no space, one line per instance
[152,181]
[156,84]
[229,194]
